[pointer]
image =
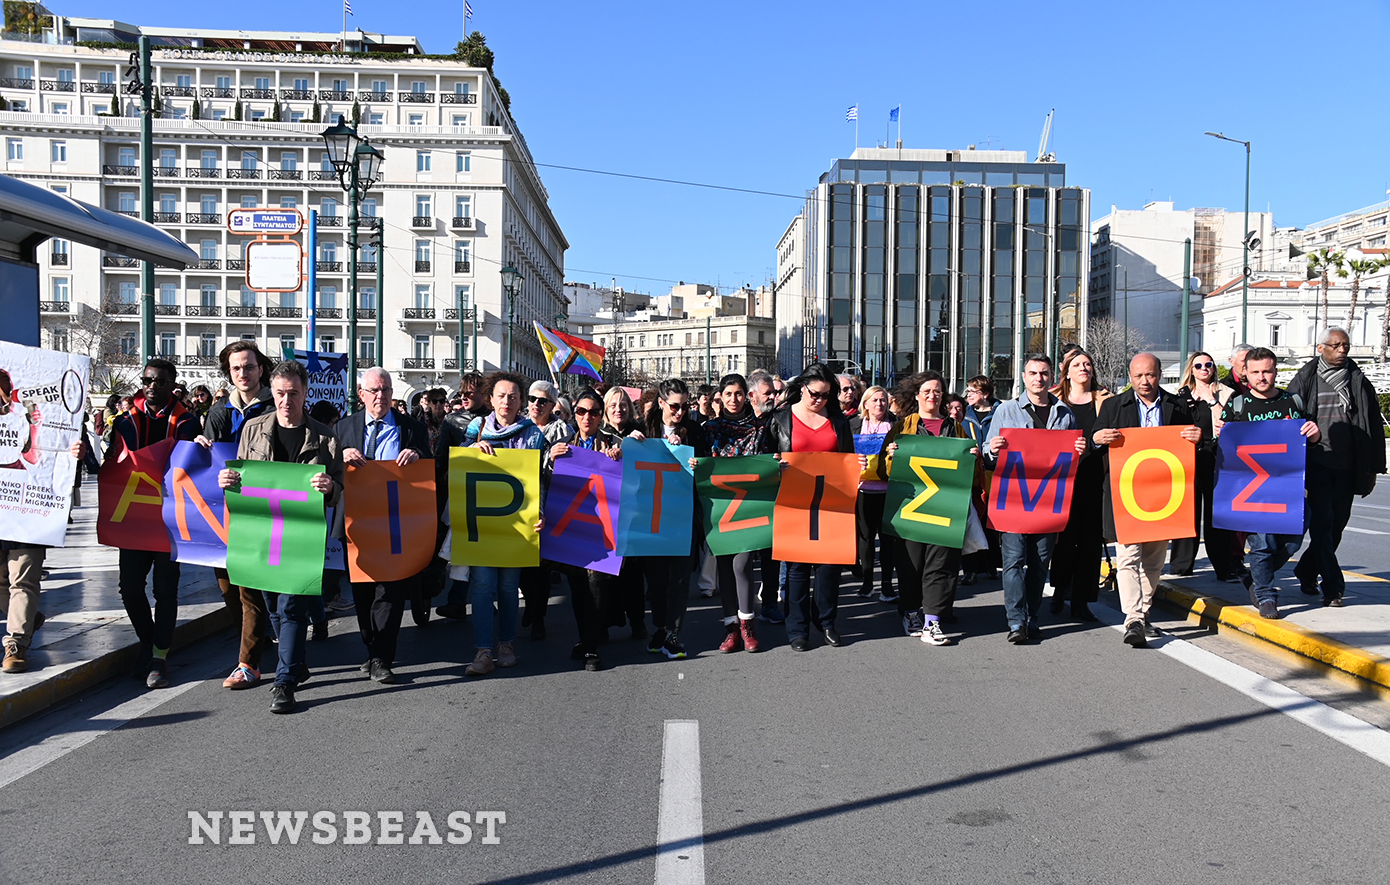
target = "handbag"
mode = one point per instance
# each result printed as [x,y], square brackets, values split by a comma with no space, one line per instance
[975,538]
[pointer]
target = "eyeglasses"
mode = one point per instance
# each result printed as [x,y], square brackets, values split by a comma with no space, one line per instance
[436,402]
[1204,365]
[818,394]
[148,381]
[377,391]
[539,400]
[581,412]
[1343,346]
[847,390]
[676,407]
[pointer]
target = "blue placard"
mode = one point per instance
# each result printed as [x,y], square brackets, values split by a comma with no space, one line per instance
[1259,477]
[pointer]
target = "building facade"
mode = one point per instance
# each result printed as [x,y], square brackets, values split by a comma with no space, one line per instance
[958,261]
[459,197]
[692,349]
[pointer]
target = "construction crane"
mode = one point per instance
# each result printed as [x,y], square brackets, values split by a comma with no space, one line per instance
[1043,155]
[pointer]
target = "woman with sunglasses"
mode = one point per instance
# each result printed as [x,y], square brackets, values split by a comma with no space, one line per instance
[535,581]
[1076,556]
[1201,386]
[874,417]
[811,422]
[626,604]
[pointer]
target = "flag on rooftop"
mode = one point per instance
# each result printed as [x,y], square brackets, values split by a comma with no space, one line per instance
[347,6]
[467,9]
[569,354]
[893,114]
[852,113]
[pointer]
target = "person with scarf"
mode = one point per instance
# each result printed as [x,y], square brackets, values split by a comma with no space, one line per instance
[873,418]
[626,604]
[541,401]
[503,428]
[1345,461]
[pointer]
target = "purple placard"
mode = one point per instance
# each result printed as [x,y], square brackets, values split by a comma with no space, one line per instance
[191,498]
[581,512]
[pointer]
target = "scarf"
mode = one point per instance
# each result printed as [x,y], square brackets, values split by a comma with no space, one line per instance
[508,437]
[1339,379]
[735,435]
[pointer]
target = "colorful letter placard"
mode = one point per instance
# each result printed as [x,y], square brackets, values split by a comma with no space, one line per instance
[494,505]
[390,520]
[1259,477]
[1151,485]
[195,514]
[929,489]
[658,500]
[737,497]
[814,517]
[277,519]
[1032,487]
[869,445]
[130,497]
[581,512]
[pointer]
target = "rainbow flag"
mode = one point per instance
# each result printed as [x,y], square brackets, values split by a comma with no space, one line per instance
[566,353]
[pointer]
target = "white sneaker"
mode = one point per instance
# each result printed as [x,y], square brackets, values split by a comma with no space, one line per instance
[932,634]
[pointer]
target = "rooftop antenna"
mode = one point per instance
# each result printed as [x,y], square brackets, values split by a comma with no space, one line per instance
[1043,155]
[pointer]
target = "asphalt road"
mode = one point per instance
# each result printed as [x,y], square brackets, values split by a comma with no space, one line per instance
[1364,543]
[1076,760]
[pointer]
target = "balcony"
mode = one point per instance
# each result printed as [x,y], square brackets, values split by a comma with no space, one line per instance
[206,264]
[417,313]
[371,222]
[284,313]
[107,169]
[257,93]
[422,221]
[243,311]
[328,266]
[204,218]
[452,313]
[451,364]
[128,213]
[415,97]
[171,357]
[167,217]
[203,172]
[458,98]
[124,359]
[366,313]
[15,83]
[323,175]
[330,221]
[55,306]
[462,267]
[57,86]
[331,95]
[297,94]
[207,360]
[366,267]
[419,362]
[165,172]
[118,261]
[462,222]
[236,264]
[166,310]
[218,92]
[241,172]
[58,259]
[286,175]
[328,313]
[99,88]
[373,96]
[202,310]
[123,308]
[422,266]
[179,91]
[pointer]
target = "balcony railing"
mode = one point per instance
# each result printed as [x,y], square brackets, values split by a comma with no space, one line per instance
[366,313]
[462,222]
[218,92]
[366,362]
[297,94]
[451,364]
[179,91]
[238,172]
[206,264]
[201,359]
[118,261]
[462,267]
[58,259]
[284,313]
[203,310]
[236,264]
[286,175]
[422,221]
[418,362]
[366,267]
[99,88]
[241,311]
[57,86]
[452,313]
[257,93]
[416,97]
[330,221]
[15,83]
[128,213]
[167,217]
[55,306]
[108,169]
[374,96]
[124,359]
[328,266]
[204,218]
[203,172]
[331,95]
[171,357]
[123,308]
[166,310]
[328,313]
[322,175]
[166,172]
[422,266]
[417,313]
[369,221]
[458,98]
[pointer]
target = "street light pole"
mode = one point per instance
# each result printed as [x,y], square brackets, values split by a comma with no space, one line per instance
[511,278]
[352,287]
[1244,241]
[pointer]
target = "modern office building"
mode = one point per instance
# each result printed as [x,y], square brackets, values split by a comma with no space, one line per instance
[958,261]
[240,120]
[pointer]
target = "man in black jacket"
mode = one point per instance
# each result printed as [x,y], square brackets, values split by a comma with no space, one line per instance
[1145,404]
[1345,460]
[377,433]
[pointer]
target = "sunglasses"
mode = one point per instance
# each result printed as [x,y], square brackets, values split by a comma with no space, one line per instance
[154,382]
[539,399]
[847,390]
[581,412]
[1204,365]
[824,394]
[436,402]
[676,407]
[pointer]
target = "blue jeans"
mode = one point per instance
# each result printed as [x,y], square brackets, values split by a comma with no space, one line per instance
[1025,571]
[289,618]
[1268,554]
[491,584]
[799,597]
[458,593]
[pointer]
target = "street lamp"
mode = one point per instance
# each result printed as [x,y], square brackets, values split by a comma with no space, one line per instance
[511,281]
[1246,237]
[1126,291]
[376,239]
[358,165]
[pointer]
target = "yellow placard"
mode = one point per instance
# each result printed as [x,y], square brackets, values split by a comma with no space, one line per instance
[494,505]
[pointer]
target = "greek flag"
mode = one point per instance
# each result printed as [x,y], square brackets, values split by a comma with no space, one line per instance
[347,6]
[893,114]
[467,9]
[852,113]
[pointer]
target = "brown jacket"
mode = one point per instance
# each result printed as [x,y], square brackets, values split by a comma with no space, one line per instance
[320,447]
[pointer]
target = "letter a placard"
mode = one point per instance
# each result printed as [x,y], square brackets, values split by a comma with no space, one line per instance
[1032,488]
[277,534]
[195,513]
[929,489]
[813,520]
[658,499]
[581,512]
[130,497]
[1151,476]
[1259,477]
[390,520]
[494,505]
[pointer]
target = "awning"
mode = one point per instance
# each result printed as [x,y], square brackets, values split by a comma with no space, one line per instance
[26,209]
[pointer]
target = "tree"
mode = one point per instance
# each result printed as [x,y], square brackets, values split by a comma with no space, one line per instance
[1319,264]
[1358,268]
[356,112]
[236,110]
[197,109]
[1105,342]
[275,112]
[23,18]
[317,112]
[475,53]
[97,333]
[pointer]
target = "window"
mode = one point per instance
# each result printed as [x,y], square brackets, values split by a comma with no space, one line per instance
[368,297]
[462,294]
[248,201]
[688,340]
[423,207]
[248,296]
[422,250]
[19,105]
[167,346]
[59,107]
[301,84]
[208,160]
[60,247]
[219,114]
[422,347]
[369,207]
[106,77]
[328,207]
[460,88]
[368,253]
[463,207]
[99,109]
[733,336]
[128,345]
[168,203]
[126,156]
[128,293]
[379,86]
[289,299]
[258,115]
[207,345]
[422,161]
[328,297]
[14,149]
[417,120]
[249,159]
[376,119]
[287,342]
[463,250]
[262,82]
[23,72]
[417,86]
[289,160]
[460,119]
[60,289]
[207,295]
[1276,334]
[463,161]
[713,337]
[340,86]
[168,294]
[207,204]
[125,202]
[58,151]
[168,157]
[224,82]
[328,251]
[65,75]
[289,202]
[207,250]
[760,337]
[328,344]
[366,347]
[422,296]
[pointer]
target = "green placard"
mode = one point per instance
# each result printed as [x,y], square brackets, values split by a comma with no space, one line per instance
[929,489]
[277,534]
[736,498]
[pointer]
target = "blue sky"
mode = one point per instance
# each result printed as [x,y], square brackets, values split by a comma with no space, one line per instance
[753,95]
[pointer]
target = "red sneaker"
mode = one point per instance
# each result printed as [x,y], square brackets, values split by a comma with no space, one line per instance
[732,640]
[750,635]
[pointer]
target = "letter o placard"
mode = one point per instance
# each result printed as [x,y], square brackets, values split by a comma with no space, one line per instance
[1175,496]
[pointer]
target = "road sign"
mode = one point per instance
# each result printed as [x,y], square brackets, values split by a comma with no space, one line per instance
[274,266]
[265,221]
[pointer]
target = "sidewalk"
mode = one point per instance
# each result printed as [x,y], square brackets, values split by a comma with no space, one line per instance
[87,638]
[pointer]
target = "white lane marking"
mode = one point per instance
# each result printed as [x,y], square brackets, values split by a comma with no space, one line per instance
[83,731]
[680,827]
[1352,528]
[1341,727]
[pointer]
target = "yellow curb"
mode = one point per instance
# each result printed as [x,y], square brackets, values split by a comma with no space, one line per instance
[1308,643]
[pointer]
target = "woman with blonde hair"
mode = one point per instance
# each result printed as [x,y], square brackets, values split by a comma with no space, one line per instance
[873,417]
[1076,556]
[1202,390]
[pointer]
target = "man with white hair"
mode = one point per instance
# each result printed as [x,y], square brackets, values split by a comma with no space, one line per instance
[1236,380]
[761,393]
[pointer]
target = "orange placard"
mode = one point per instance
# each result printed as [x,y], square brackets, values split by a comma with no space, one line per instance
[1151,485]
[389,514]
[813,519]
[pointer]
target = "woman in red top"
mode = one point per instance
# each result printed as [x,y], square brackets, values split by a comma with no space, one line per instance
[811,422]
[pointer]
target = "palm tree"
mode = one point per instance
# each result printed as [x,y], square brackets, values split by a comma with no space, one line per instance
[1359,267]
[1319,263]
[1385,322]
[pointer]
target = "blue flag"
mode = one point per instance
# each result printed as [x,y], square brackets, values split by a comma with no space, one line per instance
[1259,477]
[893,114]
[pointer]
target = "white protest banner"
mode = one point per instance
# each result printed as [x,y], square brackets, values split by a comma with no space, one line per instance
[328,378]
[43,398]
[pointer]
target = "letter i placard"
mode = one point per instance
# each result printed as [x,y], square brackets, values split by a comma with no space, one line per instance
[277,534]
